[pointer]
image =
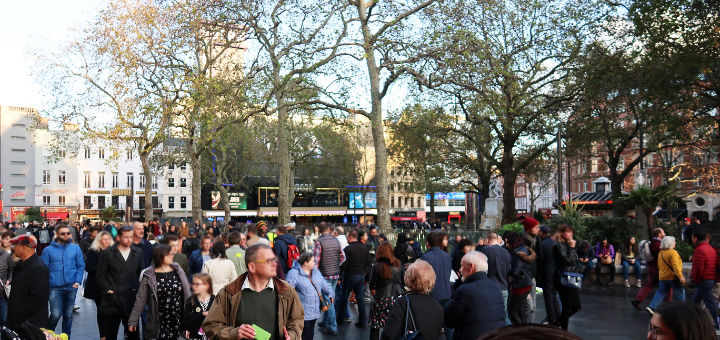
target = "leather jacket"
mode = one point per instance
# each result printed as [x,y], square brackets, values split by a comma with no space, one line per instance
[384,287]
[566,259]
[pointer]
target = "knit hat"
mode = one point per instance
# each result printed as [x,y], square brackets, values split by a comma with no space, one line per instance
[529,223]
[260,224]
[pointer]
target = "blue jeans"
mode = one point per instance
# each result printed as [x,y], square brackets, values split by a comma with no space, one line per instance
[355,283]
[663,288]
[626,266]
[339,296]
[586,268]
[329,315]
[62,300]
[703,292]
[3,309]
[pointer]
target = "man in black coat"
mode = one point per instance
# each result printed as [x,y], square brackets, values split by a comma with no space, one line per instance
[30,286]
[545,272]
[117,279]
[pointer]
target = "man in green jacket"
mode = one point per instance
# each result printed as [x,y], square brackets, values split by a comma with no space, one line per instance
[256,303]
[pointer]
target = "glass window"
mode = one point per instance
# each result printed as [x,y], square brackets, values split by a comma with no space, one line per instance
[46,200]
[46,176]
[101,202]
[87,202]
[87,153]
[60,153]
[183,182]
[101,153]
[171,202]
[61,177]
[61,200]
[115,181]
[130,154]
[87,179]
[101,179]
[129,180]
[142,180]
[183,202]
[171,182]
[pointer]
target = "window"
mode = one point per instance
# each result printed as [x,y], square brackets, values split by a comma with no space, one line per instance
[46,200]
[649,181]
[17,162]
[585,187]
[87,202]
[116,202]
[171,167]
[171,182]
[621,164]
[60,153]
[171,202]
[101,202]
[183,182]
[115,181]
[17,187]
[101,153]
[142,180]
[154,183]
[87,153]
[130,180]
[17,175]
[130,154]
[418,202]
[61,200]
[392,202]
[20,125]
[101,179]
[594,165]
[46,176]
[183,202]
[183,167]
[87,179]
[61,177]
[412,203]
[17,150]
[18,137]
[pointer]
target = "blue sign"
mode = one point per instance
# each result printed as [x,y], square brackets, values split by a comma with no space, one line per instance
[356,200]
[447,196]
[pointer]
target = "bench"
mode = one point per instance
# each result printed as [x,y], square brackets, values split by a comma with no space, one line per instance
[618,279]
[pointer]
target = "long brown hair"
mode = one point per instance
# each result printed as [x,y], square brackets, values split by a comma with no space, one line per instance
[385,254]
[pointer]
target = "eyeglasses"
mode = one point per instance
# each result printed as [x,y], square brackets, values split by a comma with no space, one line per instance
[198,284]
[270,260]
[654,332]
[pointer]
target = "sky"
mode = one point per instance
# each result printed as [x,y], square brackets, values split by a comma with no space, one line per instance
[27,27]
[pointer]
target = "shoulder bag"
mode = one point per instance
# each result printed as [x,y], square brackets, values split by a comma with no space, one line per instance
[571,279]
[324,304]
[669,266]
[413,334]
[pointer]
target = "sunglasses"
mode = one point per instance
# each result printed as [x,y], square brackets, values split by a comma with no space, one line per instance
[64,234]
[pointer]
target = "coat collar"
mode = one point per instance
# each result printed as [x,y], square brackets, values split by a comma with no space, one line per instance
[477,276]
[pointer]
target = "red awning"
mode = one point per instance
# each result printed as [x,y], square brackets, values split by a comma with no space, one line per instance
[396,218]
[56,215]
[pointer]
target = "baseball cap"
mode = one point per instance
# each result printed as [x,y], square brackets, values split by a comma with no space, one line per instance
[24,240]
[545,229]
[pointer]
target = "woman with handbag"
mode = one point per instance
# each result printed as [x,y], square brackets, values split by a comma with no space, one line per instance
[315,294]
[671,277]
[424,319]
[605,253]
[568,279]
[385,286]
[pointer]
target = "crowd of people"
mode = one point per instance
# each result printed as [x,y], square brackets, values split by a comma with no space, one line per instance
[251,281]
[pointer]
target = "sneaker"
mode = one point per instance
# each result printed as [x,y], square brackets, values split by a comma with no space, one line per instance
[347,320]
[650,310]
[635,304]
[627,284]
[329,331]
[76,308]
[638,284]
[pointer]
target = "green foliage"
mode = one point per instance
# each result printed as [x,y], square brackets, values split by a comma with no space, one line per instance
[516,227]
[110,214]
[592,229]
[32,214]
[684,249]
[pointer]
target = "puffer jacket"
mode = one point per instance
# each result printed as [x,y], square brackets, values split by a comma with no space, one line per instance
[299,280]
[221,322]
[147,295]
[566,259]
[65,262]
[476,309]
[704,263]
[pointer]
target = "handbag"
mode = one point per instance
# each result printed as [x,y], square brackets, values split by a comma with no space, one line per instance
[324,304]
[571,280]
[410,334]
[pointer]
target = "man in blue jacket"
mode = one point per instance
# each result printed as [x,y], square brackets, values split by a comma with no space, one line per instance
[441,262]
[65,262]
[199,256]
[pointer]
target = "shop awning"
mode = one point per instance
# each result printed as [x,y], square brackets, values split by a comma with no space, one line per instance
[404,218]
[305,211]
[56,215]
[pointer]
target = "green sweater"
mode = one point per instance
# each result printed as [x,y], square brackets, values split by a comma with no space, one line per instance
[259,309]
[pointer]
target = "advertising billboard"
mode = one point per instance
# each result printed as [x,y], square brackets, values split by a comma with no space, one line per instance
[238,200]
[356,200]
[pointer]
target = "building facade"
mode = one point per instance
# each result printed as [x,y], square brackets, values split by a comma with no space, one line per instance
[17,157]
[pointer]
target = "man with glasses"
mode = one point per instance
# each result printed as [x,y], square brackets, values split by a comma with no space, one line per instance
[256,302]
[65,261]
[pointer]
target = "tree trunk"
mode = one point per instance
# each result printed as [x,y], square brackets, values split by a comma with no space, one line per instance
[618,207]
[196,189]
[286,190]
[148,185]
[432,206]
[509,214]
[223,193]
[650,220]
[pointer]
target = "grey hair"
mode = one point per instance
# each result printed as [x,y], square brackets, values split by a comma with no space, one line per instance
[667,242]
[477,259]
[251,254]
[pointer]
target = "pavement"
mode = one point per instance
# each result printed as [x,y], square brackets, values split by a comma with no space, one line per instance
[606,314]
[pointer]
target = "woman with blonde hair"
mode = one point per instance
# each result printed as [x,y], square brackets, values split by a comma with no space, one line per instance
[102,241]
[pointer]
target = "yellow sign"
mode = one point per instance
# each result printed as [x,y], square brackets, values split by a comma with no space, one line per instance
[143,192]
[98,191]
[121,192]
